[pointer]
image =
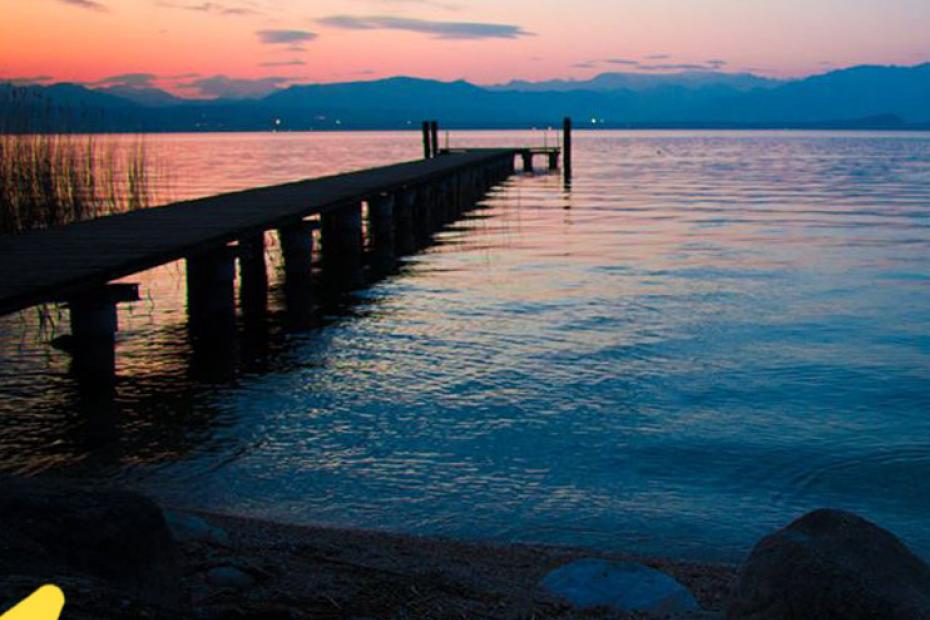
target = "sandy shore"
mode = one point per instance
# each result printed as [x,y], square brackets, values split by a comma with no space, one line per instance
[291,571]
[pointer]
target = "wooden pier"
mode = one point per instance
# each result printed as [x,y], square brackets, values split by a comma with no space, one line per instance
[527,155]
[78,264]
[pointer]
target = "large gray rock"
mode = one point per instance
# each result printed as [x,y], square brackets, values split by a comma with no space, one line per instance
[191,528]
[229,577]
[623,586]
[109,540]
[831,564]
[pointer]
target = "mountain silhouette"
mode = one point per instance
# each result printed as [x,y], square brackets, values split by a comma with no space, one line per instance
[858,97]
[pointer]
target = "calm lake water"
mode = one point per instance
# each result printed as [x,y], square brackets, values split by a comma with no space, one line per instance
[710,334]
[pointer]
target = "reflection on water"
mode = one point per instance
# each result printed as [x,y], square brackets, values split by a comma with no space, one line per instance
[708,335]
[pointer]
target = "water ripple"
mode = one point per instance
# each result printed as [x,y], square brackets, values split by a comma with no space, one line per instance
[709,334]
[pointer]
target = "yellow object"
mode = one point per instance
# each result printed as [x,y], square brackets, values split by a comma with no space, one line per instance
[45,603]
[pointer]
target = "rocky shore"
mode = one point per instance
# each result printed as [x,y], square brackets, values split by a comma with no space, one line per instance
[319,572]
[118,555]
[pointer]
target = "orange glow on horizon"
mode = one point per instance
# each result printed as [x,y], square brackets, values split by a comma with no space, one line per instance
[71,40]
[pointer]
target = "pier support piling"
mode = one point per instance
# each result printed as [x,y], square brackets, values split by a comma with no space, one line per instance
[460,192]
[434,137]
[427,141]
[405,231]
[444,203]
[253,275]
[211,296]
[94,325]
[342,245]
[567,150]
[296,242]
[527,161]
[423,214]
[297,250]
[381,219]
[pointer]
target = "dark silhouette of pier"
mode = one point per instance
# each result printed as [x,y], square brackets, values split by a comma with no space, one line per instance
[77,264]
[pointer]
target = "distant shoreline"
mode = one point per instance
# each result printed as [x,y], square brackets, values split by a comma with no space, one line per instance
[915,129]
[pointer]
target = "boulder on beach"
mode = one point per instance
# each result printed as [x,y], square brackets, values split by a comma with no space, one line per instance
[191,528]
[831,564]
[228,576]
[112,541]
[622,586]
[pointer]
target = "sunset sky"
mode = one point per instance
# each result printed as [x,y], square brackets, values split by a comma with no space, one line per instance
[222,47]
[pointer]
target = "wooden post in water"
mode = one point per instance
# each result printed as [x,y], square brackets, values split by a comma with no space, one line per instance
[554,160]
[381,232]
[440,204]
[253,275]
[423,214]
[211,296]
[434,137]
[93,332]
[342,246]
[297,250]
[484,179]
[404,207]
[211,311]
[427,142]
[452,197]
[527,160]
[296,241]
[466,190]
[462,194]
[567,149]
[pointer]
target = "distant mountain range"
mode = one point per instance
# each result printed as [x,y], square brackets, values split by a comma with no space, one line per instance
[866,97]
[638,82]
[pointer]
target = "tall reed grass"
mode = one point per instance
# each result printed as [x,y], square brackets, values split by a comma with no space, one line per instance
[52,179]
